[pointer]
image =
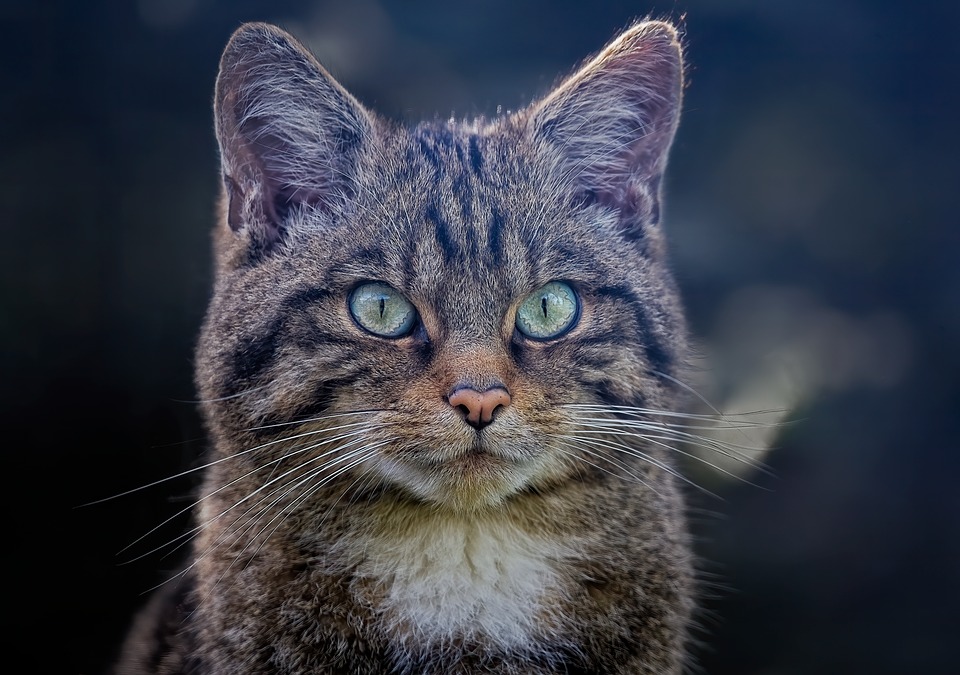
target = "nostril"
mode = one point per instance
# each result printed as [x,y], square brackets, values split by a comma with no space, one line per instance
[478,407]
[469,402]
[493,400]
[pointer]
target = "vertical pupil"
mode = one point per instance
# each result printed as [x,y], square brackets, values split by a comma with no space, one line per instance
[543,306]
[382,305]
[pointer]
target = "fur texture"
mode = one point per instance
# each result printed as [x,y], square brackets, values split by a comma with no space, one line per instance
[351,519]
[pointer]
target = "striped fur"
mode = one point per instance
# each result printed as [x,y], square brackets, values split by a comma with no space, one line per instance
[351,522]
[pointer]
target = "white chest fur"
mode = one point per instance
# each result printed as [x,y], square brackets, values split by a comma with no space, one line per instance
[446,579]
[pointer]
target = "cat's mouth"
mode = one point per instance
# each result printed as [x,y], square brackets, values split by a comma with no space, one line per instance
[479,460]
[475,474]
[481,450]
[478,456]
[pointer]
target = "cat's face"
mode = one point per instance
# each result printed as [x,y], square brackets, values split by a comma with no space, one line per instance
[435,310]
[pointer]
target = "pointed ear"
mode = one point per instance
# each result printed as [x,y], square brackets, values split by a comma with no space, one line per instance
[290,136]
[608,128]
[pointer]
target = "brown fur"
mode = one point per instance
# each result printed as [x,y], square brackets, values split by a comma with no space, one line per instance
[416,553]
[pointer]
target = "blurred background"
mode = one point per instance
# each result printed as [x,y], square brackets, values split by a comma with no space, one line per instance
[812,219]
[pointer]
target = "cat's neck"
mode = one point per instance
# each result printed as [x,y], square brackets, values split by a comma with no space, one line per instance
[438,576]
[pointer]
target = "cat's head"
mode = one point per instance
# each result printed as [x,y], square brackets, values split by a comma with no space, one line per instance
[437,309]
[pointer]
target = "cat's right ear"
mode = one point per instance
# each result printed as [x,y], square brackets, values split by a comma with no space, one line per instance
[290,136]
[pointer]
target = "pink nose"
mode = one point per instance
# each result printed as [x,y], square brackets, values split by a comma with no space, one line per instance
[477,406]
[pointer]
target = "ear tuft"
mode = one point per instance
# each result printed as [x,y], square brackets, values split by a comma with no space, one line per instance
[290,136]
[608,128]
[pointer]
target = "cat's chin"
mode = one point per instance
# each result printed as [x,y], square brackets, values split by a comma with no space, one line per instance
[468,481]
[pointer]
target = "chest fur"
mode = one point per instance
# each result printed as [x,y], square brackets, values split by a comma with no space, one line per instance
[448,582]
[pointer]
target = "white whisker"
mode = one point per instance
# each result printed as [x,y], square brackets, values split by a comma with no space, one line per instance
[577,443]
[226,458]
[200,555]
[360,456]
[271,480]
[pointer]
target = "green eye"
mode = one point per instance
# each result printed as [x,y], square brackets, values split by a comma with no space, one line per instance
[548,313]
[381,310]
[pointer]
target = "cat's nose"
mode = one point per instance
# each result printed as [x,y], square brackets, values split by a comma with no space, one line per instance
[478,407]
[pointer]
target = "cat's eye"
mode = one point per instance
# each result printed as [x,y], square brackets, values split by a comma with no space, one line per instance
[382,310]
[549,312]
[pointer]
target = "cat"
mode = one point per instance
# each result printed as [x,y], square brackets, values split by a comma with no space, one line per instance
[437,371]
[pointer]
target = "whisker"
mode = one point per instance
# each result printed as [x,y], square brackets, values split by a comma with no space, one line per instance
[271,480]
[688,388]
[227,458]
[663,434]
[577,444]
[653,461]
[245,392]
[196,560]
[310,420]
[727,448]
[636,411]
[674,425]
[363,455]
[662,442]
[283,490]
[683,430]
[186,537]
[697,394]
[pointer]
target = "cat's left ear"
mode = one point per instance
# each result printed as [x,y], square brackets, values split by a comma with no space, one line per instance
[608,128]
[291,138]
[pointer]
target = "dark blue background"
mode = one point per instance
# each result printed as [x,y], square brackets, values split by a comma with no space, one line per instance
[813,223]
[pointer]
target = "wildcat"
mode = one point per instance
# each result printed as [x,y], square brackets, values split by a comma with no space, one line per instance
[437,372]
